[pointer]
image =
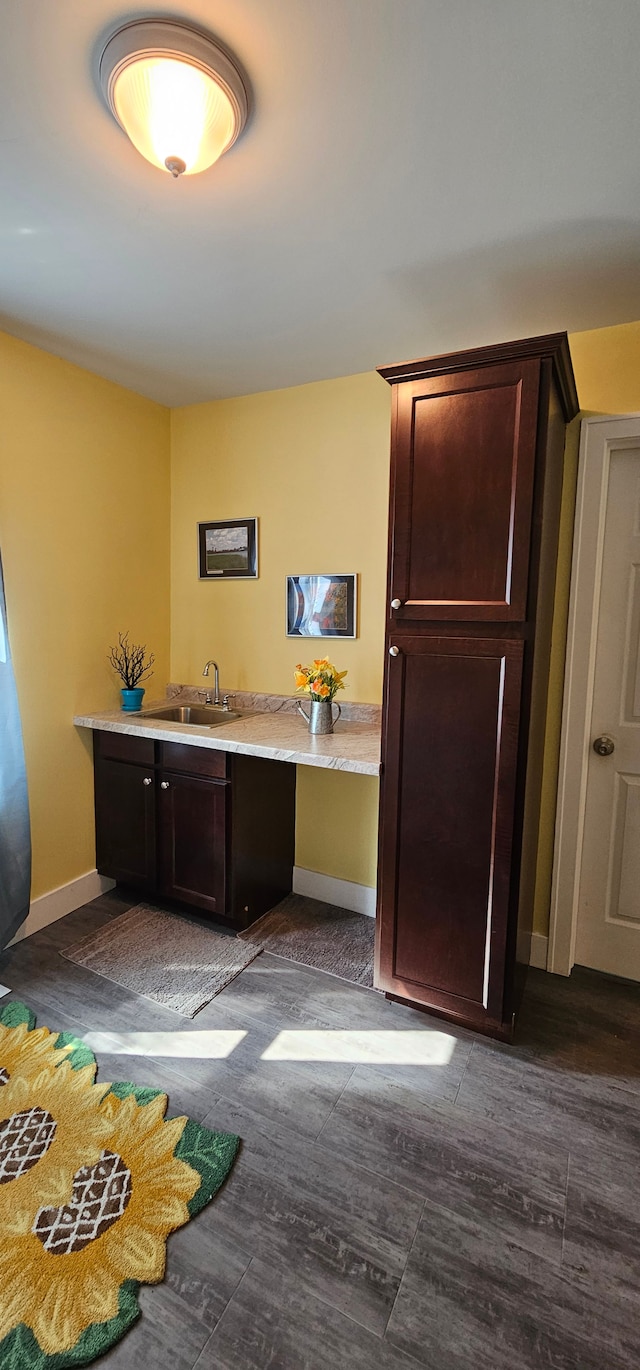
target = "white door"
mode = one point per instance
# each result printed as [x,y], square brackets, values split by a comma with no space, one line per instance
[608,905]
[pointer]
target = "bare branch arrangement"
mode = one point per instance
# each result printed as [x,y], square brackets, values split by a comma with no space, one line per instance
[128,660]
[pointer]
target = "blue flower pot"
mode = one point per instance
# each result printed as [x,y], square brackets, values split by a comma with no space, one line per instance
[132,700]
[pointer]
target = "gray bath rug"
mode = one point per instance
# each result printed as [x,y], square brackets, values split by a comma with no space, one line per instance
[319,935]
[176,963]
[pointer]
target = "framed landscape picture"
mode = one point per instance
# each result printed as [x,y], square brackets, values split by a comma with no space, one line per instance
[321,606]
[228,549]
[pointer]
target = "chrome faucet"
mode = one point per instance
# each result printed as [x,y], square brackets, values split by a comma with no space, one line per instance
[216,682]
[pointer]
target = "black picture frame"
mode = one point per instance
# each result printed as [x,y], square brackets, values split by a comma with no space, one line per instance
[228,549]
[322,606]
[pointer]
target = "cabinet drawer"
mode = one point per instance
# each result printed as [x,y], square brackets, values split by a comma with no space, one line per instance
[179,756]
[122,747]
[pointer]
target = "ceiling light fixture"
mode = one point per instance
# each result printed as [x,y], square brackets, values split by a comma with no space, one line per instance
[178,96]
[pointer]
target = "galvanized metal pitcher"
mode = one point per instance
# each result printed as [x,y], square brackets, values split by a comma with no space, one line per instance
[320,717]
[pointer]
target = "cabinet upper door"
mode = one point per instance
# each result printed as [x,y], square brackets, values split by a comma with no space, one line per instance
[462,491]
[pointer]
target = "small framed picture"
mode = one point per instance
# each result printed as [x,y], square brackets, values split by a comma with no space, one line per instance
[321,606]
[228,549]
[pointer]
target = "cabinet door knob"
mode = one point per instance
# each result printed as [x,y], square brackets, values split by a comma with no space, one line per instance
[147,780]
[164,784]
[394,651]
[396,604]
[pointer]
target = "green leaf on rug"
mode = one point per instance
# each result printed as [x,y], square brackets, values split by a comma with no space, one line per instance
[144,1094]
[15,1013]
[81,1055]
[210,1153]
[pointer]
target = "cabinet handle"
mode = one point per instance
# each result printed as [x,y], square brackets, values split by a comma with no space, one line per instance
[394,651]
[147,780]
[396,604]
[164,784]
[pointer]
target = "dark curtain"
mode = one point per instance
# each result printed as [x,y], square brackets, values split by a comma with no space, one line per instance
[15,830]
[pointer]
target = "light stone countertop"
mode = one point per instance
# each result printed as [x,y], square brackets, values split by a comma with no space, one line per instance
[279,735]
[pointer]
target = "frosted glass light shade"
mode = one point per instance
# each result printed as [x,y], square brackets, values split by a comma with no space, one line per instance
[177,95]
[172,110]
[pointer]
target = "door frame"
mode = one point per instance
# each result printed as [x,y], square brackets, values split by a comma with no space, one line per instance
[599,437]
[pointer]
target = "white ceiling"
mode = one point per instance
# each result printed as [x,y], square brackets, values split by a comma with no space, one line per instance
[418,175]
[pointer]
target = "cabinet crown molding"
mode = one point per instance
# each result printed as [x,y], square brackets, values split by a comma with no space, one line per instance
[553,347]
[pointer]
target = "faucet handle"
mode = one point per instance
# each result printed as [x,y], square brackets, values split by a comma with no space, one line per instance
[225,701]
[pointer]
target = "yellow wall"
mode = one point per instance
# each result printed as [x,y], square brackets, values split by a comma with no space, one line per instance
[84,534]
[312,462]
[607,367]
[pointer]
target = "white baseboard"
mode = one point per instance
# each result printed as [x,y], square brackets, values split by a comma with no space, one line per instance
[49,907]
[345,893]
[539,946]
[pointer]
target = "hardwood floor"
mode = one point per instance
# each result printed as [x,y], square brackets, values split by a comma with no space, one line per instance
[413,1196]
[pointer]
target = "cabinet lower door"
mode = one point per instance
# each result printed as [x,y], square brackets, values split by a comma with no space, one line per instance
[448,796]
[192,833]
[125,823]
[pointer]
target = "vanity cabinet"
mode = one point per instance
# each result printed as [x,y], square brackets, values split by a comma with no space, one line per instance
[476,484]
[206,828]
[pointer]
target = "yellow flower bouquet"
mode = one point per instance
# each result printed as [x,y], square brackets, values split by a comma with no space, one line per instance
[320,680]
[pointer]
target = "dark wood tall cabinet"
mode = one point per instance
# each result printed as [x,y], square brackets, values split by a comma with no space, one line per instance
[476,484]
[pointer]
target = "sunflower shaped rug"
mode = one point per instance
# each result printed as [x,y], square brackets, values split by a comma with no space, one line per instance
[92,1181]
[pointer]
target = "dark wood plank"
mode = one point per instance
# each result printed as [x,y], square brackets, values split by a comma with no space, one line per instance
[602,1227]
[471,1299]
[316,1216]
[204,1267]
[595,1115]
[264,1329]
[478,1167]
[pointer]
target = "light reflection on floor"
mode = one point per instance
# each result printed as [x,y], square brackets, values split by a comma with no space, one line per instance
[206,1045]
[362,1046]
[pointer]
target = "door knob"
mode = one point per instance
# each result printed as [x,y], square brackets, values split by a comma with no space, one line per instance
[164,784]
[396,604]
[147,780]
[604,746]
[394,651]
